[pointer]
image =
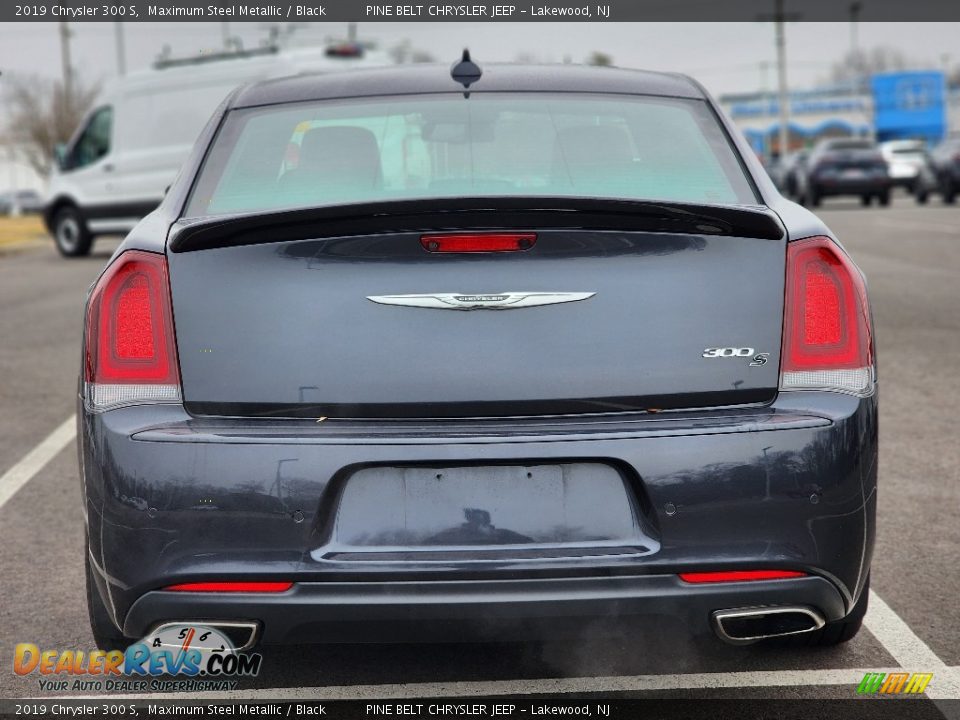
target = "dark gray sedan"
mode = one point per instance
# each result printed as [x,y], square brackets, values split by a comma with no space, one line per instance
[492,352]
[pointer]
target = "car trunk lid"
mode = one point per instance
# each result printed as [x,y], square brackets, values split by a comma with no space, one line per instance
[650,317]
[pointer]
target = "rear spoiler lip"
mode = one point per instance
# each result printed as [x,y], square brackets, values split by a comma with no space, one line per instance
[474,213]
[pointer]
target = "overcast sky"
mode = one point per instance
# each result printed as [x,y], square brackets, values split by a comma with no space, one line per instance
[726,57]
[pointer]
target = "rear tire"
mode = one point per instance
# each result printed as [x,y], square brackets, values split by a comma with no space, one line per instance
[884,198]
[106,635]
[70,232]
[844,630]
[814,198]
[949,192]
[865,200]
[921,198]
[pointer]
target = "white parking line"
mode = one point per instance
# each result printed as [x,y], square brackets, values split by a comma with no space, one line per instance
[889,629]
[31,463]
[912,654]
[909,650]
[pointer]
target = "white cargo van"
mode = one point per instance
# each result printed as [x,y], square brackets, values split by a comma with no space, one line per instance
[130,146]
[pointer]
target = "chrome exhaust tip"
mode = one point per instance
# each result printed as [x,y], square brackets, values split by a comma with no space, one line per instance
[749,625]
[243,634]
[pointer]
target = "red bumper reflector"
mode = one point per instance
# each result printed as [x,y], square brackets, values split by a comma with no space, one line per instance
[739,576]
[478,242]
[247,587]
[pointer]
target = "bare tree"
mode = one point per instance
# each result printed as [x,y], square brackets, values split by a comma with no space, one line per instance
[600,59]
[953,75]
[40,115]
[861,64]
[526,58]
[404,52]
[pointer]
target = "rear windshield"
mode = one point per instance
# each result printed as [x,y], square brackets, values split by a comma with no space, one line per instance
[490,144]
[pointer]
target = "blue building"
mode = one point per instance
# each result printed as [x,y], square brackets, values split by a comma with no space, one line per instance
[909,105]
[891,106]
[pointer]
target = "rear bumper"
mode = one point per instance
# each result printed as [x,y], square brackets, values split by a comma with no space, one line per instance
[443,611]
[905,182]
[838,186]
[902,174]
[172,499]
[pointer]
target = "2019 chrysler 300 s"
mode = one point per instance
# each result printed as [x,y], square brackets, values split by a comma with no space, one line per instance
[432,354]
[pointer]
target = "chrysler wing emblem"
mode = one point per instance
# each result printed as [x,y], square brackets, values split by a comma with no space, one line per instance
[488,301]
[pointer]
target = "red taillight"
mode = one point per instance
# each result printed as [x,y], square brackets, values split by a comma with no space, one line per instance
[478,242]
[739,576]
[827,339]
[130,356]
[133,328]
[246,587]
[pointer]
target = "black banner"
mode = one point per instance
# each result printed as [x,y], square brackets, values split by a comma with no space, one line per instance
[598,708]
[473,10]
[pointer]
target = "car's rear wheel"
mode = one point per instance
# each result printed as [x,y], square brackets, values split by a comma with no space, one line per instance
[70,232]
[106,635]
[814,198]
[865,200]
[921,197]
[884,198]
[841,631]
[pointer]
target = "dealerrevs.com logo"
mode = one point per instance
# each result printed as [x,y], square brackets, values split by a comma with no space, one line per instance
[178,657]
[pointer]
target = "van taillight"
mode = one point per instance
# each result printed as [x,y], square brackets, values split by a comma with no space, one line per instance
[827,337]
[129,356]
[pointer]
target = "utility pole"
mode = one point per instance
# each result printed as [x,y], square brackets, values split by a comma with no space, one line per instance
[784,99]
[947,109]
[779,19]
[67,68]
[765,105]
[855,8]
[121,48]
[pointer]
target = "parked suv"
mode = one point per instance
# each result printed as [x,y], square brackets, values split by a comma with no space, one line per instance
[905,161]
[944,177]
[847,166]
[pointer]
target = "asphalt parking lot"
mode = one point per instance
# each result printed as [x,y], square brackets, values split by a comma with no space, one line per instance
[911,256]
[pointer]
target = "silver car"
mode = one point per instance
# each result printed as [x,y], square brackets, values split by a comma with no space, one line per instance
[905,160]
